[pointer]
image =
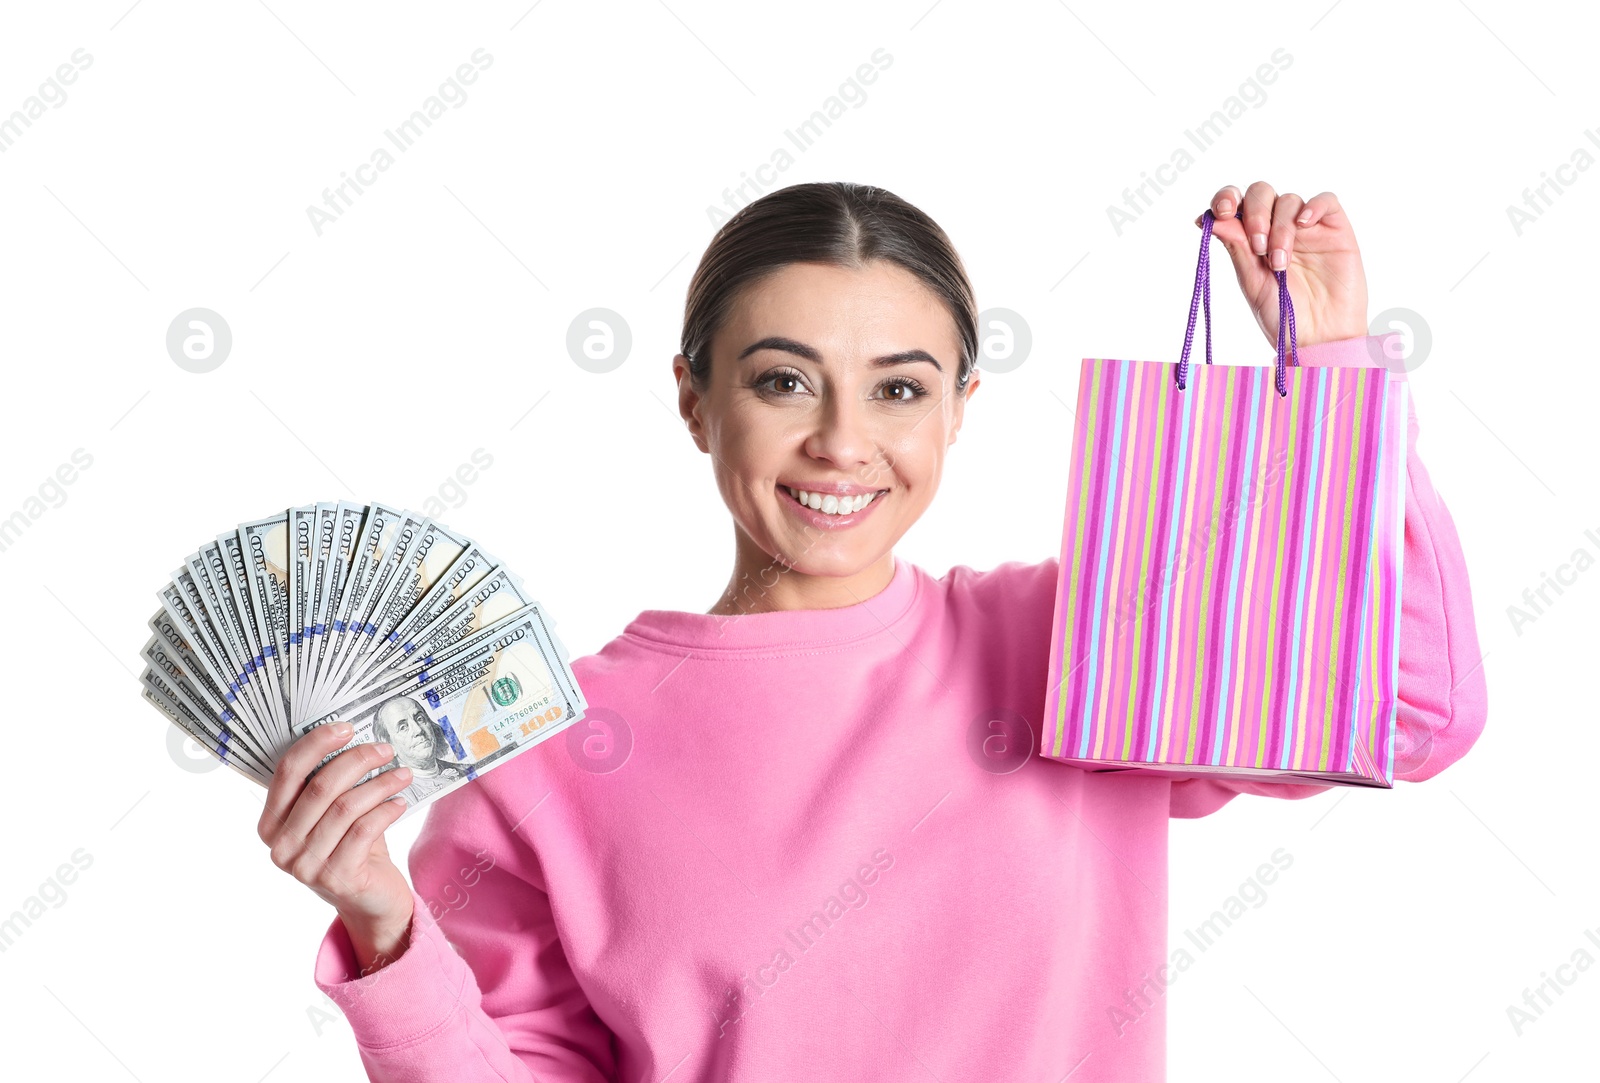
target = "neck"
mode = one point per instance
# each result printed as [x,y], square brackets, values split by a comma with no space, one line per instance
[762,584]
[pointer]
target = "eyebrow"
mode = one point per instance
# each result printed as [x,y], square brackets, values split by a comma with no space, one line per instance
[810,353]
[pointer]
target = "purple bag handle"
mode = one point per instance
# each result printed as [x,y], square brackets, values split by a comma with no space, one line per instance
[1202,288]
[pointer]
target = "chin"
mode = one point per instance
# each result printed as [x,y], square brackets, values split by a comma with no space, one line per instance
[846,560]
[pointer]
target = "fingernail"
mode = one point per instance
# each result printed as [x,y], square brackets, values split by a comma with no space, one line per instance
[1258,243]
[1225,207]
[1280,259]
[402,773]
[1305,216]
[340,729]
[384,749]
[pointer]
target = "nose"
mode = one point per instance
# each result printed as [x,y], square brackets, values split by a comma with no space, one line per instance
[841,433]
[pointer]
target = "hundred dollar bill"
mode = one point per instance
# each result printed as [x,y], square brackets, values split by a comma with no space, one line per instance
[209,566]
[266,546]
[411,533]
[432,555]
[378,537]
[426,669]
[161,675]
[185,599]
[185,720]
[182,668]
[497,597]
[204,614]
[339,527]
[499,700]
[437,557]
[176,609]
[254,623]
[302,544]
[463,575]
[212,595]
[321,570]
[167,676]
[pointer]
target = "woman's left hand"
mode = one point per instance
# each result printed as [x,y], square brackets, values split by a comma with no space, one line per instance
[1313,241]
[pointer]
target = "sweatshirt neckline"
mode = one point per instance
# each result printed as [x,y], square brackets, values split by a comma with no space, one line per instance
[785,628]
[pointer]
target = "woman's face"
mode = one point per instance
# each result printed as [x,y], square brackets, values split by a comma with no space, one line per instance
[834,381]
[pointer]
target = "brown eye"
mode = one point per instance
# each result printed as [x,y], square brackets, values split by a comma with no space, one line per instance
[781,383]
[909,390]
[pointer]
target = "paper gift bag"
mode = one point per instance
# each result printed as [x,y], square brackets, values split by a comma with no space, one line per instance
[1229,596]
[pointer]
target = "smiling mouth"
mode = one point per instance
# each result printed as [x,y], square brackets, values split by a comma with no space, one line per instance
[829,504]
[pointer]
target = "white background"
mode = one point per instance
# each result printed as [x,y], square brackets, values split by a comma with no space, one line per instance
[430,320]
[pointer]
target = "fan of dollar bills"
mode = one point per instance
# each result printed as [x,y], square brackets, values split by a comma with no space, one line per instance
[360,613]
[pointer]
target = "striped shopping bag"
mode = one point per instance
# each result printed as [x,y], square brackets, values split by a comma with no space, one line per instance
[1229,596]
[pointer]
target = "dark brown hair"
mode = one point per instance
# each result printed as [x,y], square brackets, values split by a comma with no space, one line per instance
[834,222]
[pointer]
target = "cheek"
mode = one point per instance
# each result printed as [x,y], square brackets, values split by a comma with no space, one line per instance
[752,447]
[916,459]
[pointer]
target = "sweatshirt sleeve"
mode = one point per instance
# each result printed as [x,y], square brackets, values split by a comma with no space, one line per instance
[483,990]
[1442,692]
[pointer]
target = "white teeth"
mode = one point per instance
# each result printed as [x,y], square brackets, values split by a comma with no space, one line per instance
[831,504]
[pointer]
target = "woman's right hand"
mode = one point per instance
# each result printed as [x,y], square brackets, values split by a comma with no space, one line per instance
[329,836]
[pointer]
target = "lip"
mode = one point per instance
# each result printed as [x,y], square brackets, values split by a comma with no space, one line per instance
[832,488]
[828,522]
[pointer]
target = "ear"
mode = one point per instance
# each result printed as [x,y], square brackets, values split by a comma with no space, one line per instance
[689,402]
[961,405]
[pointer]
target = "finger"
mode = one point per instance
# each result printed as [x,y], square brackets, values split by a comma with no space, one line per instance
[1318,207]
[1225,204]
[1224,207]
[1228,228]
[1280,239]
[349,806]
[1257,214]
[354,848]
[290,777]
[327,785]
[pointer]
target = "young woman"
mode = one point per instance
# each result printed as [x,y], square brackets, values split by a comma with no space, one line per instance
[801,872]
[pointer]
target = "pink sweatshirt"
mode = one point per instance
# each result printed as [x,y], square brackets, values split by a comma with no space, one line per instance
[799,872]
